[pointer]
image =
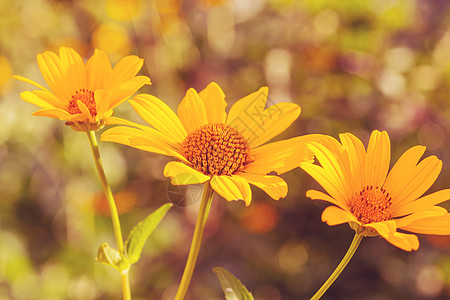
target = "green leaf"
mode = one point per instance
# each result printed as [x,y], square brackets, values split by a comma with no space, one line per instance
[140,233]
[231,286]
[111,257]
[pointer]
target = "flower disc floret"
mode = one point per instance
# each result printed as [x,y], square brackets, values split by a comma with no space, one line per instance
[371,205]
[87,98]
[216,149]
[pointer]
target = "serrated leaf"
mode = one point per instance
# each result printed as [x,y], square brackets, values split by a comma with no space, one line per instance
[140,233]
[111,257]
[231,286]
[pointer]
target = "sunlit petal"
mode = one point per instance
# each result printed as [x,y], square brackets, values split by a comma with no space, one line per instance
[214,101]
[274,186]
[333,215]
[404,241]
[257,123]
[181,174]
[160,116]
[192,112]
[98,61]
[435,225]
[232,188]
[282,156]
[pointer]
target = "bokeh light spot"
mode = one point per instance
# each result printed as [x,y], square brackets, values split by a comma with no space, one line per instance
[259,218]
[113,39]
[400,59]
[392,84]
[326,23]
[292,257]
[124,10]
[425,77]
[220,24]
[430,281]
[5,72]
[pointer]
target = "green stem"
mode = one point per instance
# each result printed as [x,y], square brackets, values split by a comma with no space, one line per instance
[196,241]
[351,250]
[113,209]
[125,279]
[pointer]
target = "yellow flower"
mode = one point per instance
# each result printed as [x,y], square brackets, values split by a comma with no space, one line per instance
[210,145]
[83,94]
[372,201]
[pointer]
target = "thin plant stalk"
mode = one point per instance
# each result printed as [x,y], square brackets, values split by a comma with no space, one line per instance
[205,205]
[351,250]
[113,210]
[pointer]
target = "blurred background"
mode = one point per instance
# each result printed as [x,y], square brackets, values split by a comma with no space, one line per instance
[353,66]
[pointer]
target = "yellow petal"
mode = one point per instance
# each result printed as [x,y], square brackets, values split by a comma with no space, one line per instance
[119,121]
[384,229]
[85,111]
[434,211]
[333,188]
[357,156]
[377,159]
[279,117]
[125,90]
[317,195]
[125,70]
[78,118]
[274,186]
[192,112]
[281,156]
[156,113]
[333,215]
[246,105]
[50,98]
[181,174]
[434,225]
[30,82]
[404,241]
[34,99]
[336,165]
[106,115]
[149,140]
[69,57]
[400,175]
[75,76]
[98,69]
[420,180]
[214,101]
[232,188]
[422,204]
[257,124]
[101,102]
[53,73]
[53,113]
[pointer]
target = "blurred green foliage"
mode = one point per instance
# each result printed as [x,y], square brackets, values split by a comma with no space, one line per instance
[353,66]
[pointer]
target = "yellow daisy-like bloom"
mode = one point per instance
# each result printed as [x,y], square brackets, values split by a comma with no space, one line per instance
[83,95]
[210,145]
[373,200]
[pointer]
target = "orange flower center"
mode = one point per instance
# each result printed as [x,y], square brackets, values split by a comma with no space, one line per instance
[216,149]
[85,96]
[371,205]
